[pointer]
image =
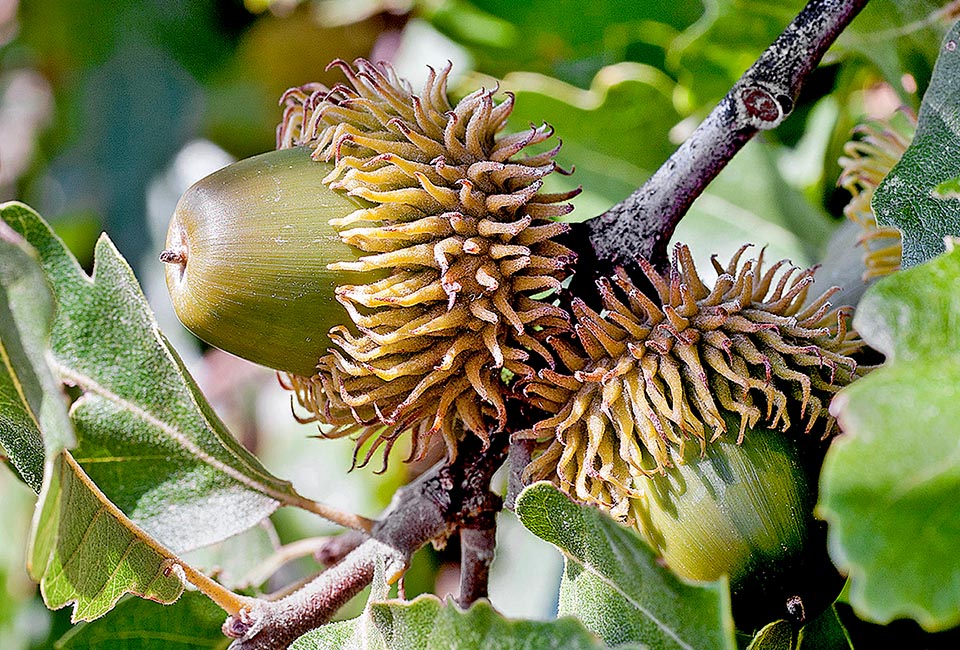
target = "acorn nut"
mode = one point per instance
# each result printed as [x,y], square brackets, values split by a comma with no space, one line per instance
[247,253]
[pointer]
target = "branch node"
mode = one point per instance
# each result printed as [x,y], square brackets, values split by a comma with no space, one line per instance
[761,106]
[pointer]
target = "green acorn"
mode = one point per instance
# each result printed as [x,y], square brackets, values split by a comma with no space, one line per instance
[451,296]
[681,415]
[247,256]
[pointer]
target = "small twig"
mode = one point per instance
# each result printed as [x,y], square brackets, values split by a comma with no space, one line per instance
[476,555]
[518,457]
[327,551]
[335,515]
[641,225]
[337,548]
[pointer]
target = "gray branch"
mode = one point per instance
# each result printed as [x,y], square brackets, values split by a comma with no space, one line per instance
[641,225]
[441,501]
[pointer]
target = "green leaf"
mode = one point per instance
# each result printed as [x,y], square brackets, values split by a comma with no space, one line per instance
[192,623]
[148,438]
[710,55]
[907,197]
[427,623]
[31,400]
[566,39]
[623,119]
[890,487]
[614,584]
[83,550]
[825,632]
[777,635]
[899,37]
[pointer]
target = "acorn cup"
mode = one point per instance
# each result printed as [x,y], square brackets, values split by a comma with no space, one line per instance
[398,258]
[247,258]
[698,415]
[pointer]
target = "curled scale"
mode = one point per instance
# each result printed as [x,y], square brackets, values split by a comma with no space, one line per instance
[874,150]
[665,373]
[464,243]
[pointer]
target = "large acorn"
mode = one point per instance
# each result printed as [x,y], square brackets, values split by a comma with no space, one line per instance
[430,229]
[696,415]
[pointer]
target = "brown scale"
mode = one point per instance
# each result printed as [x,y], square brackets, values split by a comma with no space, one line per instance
[660,375]
[464,240]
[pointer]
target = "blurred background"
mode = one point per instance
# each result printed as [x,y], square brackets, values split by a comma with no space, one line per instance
[109,109]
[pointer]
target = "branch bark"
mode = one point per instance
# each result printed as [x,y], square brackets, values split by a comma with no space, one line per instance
[641,225]
[447,498]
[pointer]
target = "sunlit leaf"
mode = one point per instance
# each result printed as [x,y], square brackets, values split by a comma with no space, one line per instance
[777,635]
[148,438]
[31,400]
[907,198]
[566,39]
[192,623]
[85,551]
[898,37]
[948,189]
[614,584]
[890,487]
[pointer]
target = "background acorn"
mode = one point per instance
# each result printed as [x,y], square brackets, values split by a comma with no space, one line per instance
[675,419]
[465,240]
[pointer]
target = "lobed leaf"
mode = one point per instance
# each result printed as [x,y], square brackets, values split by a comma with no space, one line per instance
[613,583]
[31,400]
[890,486]
[84,551]
[148,437]
[427,623]
[908,197]
[192,623]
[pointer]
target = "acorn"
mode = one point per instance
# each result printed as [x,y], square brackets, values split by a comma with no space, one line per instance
[429,227]
[697,416]
[869,156]
[247,257]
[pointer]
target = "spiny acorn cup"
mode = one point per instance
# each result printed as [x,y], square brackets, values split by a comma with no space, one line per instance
[681,419]
[875,148]
[451,294]
[466,238]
